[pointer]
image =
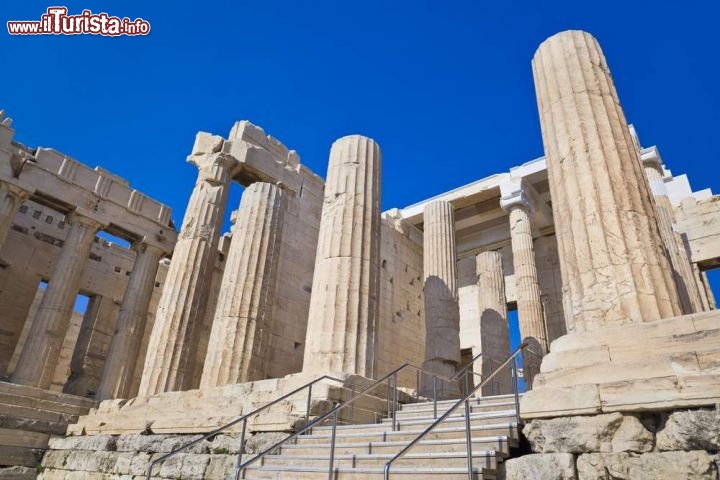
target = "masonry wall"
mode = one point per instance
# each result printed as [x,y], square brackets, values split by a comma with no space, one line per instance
[401,326]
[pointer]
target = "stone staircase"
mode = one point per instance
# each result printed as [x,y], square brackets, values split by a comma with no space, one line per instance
[28,417]
[361,450]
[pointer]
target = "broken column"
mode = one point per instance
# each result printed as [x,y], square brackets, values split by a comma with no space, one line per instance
[531,317]
[494,334]
[683,273]
[118,371]
[344,302]
[442,314]
[614,267]
[41,352]
[240,335]
[171,349]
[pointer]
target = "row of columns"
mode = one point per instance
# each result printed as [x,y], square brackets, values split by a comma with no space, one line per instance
[49,326]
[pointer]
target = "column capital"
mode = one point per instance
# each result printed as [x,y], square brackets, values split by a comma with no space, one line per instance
[148,245]
[651,158]
[514,193]
[82,216]
[19,193]
[213,166]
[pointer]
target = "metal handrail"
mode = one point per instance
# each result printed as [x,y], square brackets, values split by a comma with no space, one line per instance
[391,379]
[243,419]
[511,358]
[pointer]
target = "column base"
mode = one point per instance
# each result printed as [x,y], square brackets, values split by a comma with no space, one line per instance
[654,366]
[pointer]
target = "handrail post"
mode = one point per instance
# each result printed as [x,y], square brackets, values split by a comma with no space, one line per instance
[435,396]
[332,446]
[417,386]
[389,396]
[307,413]
[352,408]
[242,448]
[394,403]
[515,390]
[468,439]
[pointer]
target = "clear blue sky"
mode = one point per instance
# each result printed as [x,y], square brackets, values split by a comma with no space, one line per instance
[444,87]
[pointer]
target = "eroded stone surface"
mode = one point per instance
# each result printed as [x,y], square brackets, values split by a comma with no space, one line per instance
[690,430]
[694,465]
[548,466]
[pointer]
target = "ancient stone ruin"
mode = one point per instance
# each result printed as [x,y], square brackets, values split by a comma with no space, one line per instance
[315,296]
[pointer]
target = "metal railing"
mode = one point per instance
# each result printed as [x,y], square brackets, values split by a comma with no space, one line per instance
[392,398]
[510,360]
[244,420]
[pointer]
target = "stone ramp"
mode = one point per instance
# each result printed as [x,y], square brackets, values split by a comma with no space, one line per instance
[360,452]
[28,416]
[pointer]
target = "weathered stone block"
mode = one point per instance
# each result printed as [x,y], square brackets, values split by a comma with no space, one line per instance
[695,465]
[583,434]
[547,466]
[691,430]
[94,443]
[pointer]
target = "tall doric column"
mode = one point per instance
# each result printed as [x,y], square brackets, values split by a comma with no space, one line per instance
[170,354]
[683,273]
[527,289]
[494,333]
[118,370]
[342,321]
[238,346]
[41,352]
[442,314]
[12,198]
[614,267]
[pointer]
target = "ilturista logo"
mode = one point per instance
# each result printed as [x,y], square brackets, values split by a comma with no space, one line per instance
[56,21]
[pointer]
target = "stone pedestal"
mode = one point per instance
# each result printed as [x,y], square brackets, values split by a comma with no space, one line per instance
[41,352]
[238,346]
[171,350]
[344,304]
[442,314]
[494,334]
[614,267]
[118,370]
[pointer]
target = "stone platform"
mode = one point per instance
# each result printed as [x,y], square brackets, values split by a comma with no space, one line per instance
[654,366]
[201,411]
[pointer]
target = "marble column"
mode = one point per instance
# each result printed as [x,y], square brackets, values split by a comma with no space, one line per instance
[614,268]
[13,197]
[118,371]
[494,333]
[342,322]
[41,352]
[683,273]
[442,314]
[531,317]
[171,349]
[240,335]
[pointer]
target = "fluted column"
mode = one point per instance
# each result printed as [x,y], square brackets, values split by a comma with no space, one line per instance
[170,354]
[118,370]
[442,314]
[13,197]
[41,352]
[343,315]
[683,273]
[531,317]
[614,268]
[494,333]
[238,346]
